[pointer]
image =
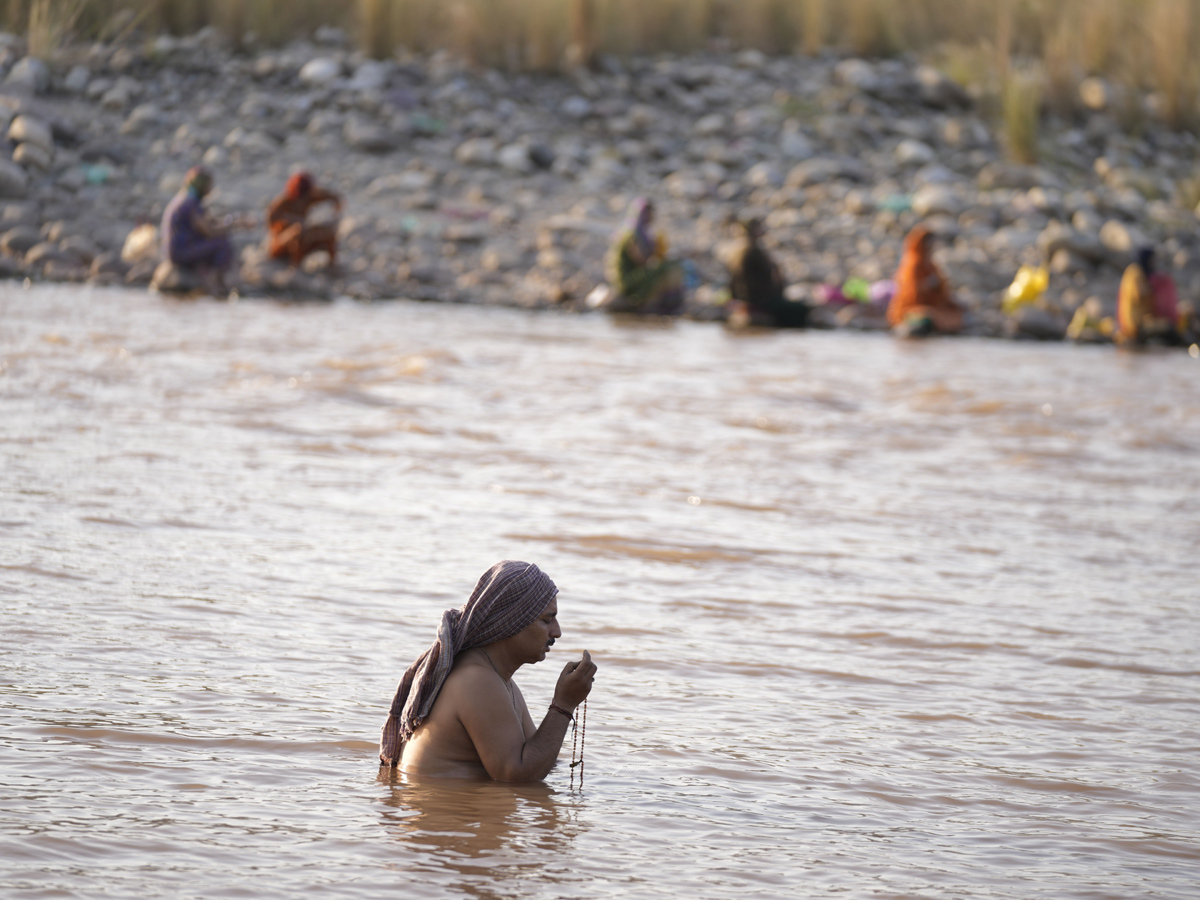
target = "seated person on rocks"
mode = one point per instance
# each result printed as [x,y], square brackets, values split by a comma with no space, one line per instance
[922,304]
[457,711]
[756,284]
[1147,304]
[290,236]
[639,271]
[192,240]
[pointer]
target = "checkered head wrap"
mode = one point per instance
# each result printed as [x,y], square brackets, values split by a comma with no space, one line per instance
[508,598]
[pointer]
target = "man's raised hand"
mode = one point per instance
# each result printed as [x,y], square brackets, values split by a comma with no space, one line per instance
[575,682]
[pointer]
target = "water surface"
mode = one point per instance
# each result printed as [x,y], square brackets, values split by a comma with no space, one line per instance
[874,619]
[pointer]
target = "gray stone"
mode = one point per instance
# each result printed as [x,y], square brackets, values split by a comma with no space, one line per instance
[914,153]
[18,241]
[710,125]
[1057,236]
[321,72]
[29,129]
[1095,94]
[1040,324]
[1121,239]
[44,252]
[79,247]
[1011,175]
[764,174]
[1067,261]
[13,181]
[31,156]
[77,80]
[935,199]
[515,158]
[541,155]
[141,245]
[255,143]
[30,73]
[371,75]
[121,94]
[822,169]
[476,152]
[857,74]
[109,264]
[169,278]
[794,144]
[365,135]
[937,90]
[143,116]
[576,107]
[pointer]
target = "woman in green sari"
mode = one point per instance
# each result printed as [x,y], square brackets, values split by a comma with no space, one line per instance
[644,279]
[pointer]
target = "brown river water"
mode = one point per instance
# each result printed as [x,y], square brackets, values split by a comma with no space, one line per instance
[874,619]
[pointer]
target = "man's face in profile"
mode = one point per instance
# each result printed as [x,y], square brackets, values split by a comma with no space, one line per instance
[535,639]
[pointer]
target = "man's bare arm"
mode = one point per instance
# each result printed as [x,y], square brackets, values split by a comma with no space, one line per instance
[495,728]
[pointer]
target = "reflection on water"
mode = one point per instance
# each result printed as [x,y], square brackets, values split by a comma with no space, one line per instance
[874,619]
[480,838]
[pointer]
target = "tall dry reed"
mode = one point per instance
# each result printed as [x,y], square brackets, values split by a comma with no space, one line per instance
[1137,44]
[49,23]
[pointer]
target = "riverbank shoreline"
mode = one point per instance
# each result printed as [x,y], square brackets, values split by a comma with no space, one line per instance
[476,186]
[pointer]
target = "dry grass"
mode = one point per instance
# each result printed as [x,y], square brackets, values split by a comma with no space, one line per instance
[1141,44]
[49,23]
[1021,104]
[1172,37]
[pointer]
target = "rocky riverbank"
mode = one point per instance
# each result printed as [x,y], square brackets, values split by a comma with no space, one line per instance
[484,187]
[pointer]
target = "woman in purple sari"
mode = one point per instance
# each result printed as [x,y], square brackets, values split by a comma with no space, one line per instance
[191,238]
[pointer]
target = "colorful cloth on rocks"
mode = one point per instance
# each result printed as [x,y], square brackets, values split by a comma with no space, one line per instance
[508,598]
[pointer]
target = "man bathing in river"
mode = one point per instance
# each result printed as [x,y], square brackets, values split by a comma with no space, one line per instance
[457,711]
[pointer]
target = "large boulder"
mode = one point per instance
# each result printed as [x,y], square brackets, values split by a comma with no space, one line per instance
[30,73]
[27,129]
[31,156]
[140,245]
[18,241]
[321,71]
[13,180]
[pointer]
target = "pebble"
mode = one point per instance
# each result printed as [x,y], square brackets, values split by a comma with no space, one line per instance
[14,183]
[320,72]
[29,73]
[31,156]
[32,130]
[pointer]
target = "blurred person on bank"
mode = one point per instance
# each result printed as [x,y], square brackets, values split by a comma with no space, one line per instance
[290,235]
[922,304]
[192,239]
[756,285]
[1148,305]
[457,711]
[639,271]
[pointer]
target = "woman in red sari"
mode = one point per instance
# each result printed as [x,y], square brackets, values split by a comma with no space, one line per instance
[922,303]
[290,236]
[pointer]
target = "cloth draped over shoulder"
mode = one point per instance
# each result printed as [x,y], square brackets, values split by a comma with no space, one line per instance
[508,597]
[920,285]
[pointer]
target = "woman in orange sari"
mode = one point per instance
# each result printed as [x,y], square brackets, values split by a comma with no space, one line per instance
[290,236]
[922,304]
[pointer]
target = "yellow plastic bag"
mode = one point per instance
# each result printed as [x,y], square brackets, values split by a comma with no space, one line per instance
[1026,288]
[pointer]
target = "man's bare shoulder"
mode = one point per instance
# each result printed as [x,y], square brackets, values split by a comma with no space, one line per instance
[470,677]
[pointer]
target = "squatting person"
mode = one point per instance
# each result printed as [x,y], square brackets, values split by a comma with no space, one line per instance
[457,711]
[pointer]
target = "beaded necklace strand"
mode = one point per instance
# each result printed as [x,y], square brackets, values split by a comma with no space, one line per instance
[577,741]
